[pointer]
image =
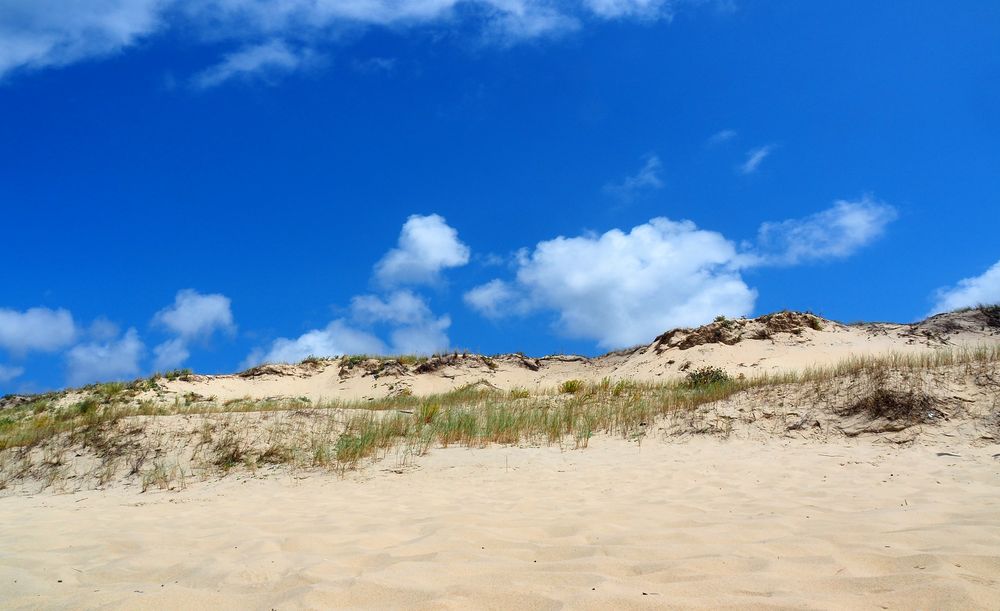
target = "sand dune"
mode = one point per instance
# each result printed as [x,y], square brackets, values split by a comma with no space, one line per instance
[785,341]
[875,485]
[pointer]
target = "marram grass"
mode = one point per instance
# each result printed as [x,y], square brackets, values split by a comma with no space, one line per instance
[471,416]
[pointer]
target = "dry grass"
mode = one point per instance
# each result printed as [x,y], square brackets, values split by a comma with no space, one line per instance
[114,430]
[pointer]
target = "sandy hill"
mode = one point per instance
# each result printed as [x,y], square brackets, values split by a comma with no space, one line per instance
[813,465]
[770,344]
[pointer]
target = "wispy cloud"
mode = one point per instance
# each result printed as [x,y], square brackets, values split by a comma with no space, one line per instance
[835,233]
[648,177]
[258,62]
[48,33]
[755,157]
[8,373]
[721,137]
[375,65]
[642,9]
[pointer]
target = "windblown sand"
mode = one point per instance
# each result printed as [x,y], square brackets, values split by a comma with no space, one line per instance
[699,523]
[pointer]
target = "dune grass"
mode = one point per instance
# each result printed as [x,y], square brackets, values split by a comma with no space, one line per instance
[350,432]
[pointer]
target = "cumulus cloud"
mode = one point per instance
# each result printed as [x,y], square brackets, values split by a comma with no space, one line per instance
[401,307]
[621,288]
[427,245]
[970,292]
[170,354]
[260,61]
[43,33]
[755,157]
[834,233]
[195,315]
[337,338]
[415,328]
[497,299]
[426,338]
[648,177]
[36,329]
[192,317]
[103,361]
[8,373]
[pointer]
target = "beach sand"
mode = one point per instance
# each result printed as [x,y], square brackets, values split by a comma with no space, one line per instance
[702,522]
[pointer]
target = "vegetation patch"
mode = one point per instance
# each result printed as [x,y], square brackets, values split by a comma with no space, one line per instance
[707,376]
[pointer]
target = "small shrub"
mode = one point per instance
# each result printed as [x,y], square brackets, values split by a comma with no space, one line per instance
[815,324]
[87,406]
[991,313]
[353,360]
[724,322]
[906,407]
[707,376]
[571,387]
[519,393]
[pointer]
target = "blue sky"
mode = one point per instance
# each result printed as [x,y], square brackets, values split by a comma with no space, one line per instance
[213,184]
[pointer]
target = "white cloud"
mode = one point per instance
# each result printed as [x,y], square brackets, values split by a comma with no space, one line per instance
[648,177]
[45,33]
[623,288]
[260,61]
[643,9]
[375,65]
[721,137]
[427,245]
[8,373]
[428,337]
[170,354]
[402,308]
[834,233]
[337,338]
[415,328]
[969,292]
[103,361]
[40,329]
[42,33]
[103,329]
[496,299]
[194,315]
[755,157]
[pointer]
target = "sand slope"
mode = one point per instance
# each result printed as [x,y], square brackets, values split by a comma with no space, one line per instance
[705,523]
[783,341]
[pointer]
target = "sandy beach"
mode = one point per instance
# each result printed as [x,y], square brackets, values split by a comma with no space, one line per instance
[703,523]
